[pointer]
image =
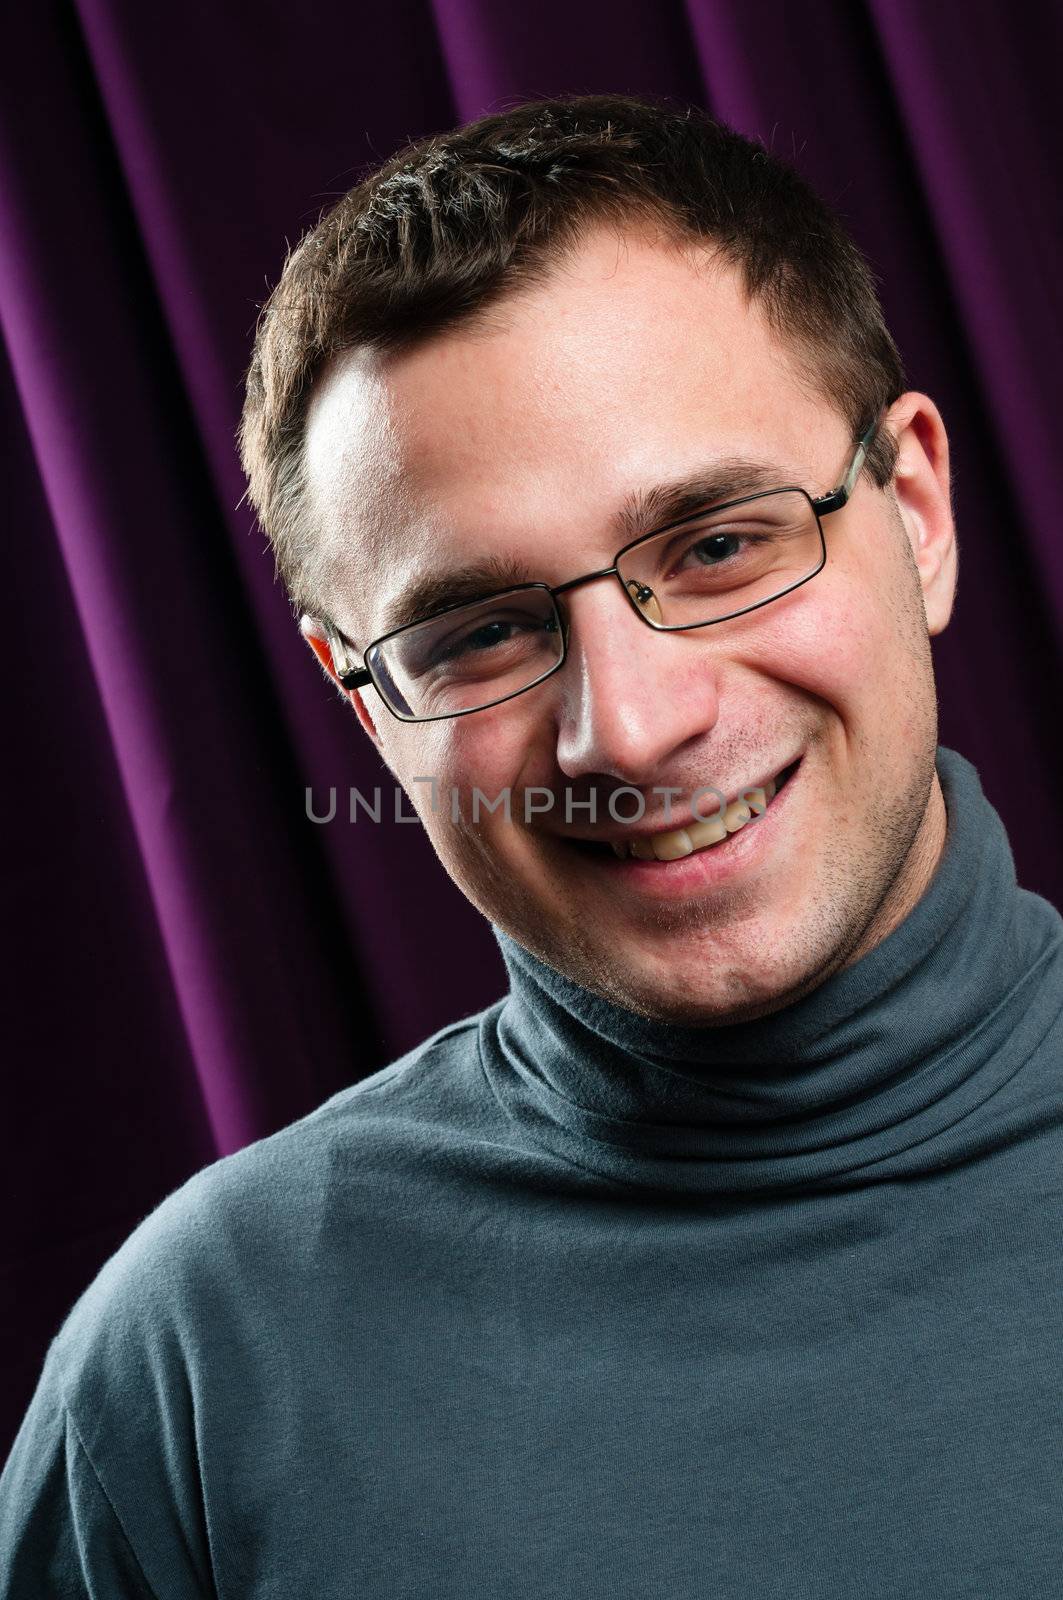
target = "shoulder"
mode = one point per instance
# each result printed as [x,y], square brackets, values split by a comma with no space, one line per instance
[226,1307]
[244,1230]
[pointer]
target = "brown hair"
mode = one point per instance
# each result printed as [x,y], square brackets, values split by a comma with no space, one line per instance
[452,223]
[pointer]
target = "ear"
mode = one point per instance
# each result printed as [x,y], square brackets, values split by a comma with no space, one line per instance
[922,489]
[313,633]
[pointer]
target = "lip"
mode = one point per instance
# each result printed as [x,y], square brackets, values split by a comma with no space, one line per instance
[706,869]
[629,834]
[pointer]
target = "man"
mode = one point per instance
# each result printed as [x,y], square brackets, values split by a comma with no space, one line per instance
[722,1255]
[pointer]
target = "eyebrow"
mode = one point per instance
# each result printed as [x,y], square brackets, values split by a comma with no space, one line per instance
[644,511]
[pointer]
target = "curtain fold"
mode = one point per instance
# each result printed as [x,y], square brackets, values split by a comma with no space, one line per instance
[988,154]
[194,961]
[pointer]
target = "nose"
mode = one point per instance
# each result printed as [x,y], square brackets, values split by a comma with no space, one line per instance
[629,695]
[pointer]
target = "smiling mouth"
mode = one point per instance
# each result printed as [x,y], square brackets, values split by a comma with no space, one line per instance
[708,834]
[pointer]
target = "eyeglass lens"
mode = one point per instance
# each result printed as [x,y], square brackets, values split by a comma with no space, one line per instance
[470,656]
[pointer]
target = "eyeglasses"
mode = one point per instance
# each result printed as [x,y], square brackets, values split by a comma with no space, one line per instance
[719,562]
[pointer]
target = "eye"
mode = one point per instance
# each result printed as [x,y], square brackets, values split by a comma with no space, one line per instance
[479,642]
[485,637]
[716,549]
[712,548]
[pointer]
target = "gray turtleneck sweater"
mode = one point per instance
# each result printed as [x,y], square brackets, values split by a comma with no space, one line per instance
[566,1303]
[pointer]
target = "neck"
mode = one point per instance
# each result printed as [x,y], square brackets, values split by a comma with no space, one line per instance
[880,1056]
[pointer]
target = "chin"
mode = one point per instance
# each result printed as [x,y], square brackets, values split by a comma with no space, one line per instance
[735,996]
[683,988]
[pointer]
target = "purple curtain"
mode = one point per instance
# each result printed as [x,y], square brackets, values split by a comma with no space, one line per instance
[193,962]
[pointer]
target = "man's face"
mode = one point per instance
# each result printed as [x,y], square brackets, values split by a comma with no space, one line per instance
[520,438]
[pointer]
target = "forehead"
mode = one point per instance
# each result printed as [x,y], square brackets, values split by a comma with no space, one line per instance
[632,362]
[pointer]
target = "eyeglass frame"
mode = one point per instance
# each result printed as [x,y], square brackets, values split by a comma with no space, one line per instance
[822,505]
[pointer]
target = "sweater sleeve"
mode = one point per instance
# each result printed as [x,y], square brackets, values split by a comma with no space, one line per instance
[59,1534]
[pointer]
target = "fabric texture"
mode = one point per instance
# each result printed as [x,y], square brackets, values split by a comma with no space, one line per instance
[564,1302]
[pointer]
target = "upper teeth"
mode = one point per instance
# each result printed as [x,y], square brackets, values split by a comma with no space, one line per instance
[684,841]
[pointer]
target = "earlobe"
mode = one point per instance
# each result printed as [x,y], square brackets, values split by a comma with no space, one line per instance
[922,491]
[311,632]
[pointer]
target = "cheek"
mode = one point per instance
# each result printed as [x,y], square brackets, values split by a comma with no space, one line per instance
[488,752]
[829,646]
[417,756]
[859,647]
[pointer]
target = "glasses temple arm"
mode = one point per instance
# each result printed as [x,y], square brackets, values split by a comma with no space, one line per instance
[349,674]
[839,496]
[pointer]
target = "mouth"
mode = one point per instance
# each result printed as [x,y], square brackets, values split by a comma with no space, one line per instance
[713,834]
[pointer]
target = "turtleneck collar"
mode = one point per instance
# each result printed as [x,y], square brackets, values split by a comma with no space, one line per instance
[875,1069]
